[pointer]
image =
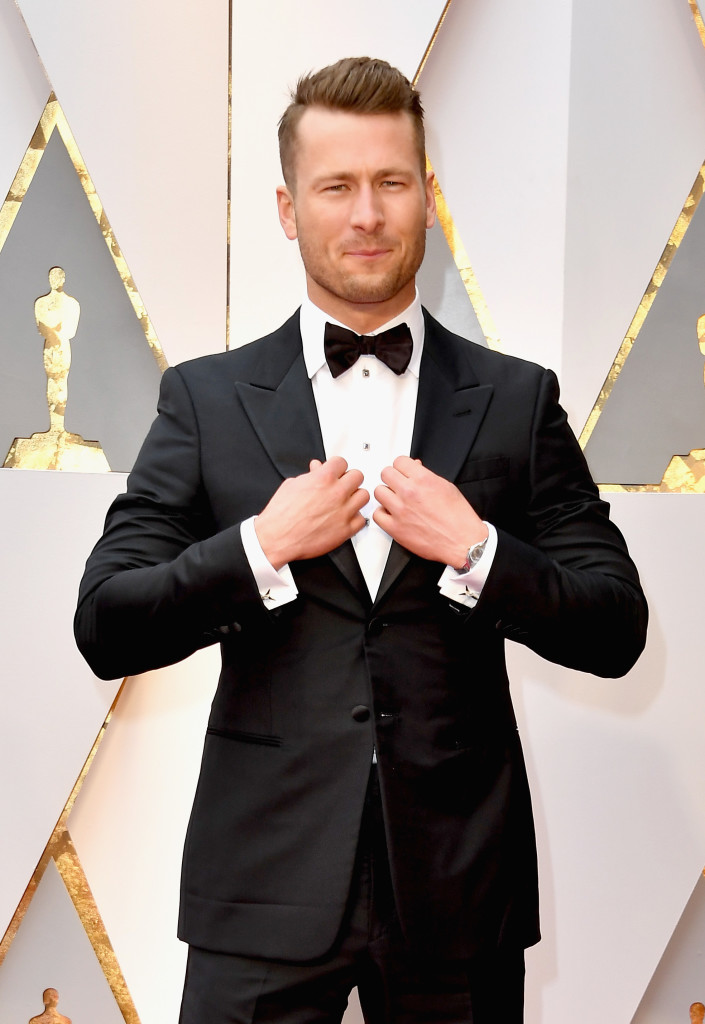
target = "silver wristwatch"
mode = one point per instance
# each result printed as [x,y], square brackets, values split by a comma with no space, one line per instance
[474,555]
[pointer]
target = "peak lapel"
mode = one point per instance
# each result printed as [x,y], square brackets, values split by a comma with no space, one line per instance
[283,415]
[450,408]
[282,411]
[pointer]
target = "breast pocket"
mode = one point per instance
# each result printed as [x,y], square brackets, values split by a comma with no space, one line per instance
[483,469]
[486,485]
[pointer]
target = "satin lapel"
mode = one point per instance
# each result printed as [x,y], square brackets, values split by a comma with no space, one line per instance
[284,418]
[450,408]
[283,415]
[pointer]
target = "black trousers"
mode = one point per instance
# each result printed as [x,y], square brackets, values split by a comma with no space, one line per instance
[395,984]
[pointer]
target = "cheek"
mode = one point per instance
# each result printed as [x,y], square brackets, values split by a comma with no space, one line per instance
[319,231]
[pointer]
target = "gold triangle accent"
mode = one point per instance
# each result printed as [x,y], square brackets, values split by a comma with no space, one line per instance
[677,235]
[67,861]
[465,270]
[698,19]
[53,118]
[431,42]
[673,473]
[61,850]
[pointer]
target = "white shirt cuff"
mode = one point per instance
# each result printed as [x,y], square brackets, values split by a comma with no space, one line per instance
[275,587]
[466,587]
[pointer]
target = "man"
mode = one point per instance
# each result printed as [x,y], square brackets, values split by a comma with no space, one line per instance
[361,538]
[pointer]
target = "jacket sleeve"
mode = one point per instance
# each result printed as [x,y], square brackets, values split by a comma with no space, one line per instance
[162,582]
[565,585]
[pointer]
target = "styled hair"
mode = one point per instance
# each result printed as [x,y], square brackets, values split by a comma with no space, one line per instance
[361,85]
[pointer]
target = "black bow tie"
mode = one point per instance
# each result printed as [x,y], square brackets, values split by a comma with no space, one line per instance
[343,348]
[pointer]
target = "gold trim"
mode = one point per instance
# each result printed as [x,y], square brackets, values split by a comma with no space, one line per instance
[630,488]
[61,850]
[686,215]
[432,40]
[53,117]
[698,19]
[685,474]
[69,866]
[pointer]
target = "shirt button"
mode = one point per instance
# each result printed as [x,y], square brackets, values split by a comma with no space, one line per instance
[365,373]
[360,713]
[366,446]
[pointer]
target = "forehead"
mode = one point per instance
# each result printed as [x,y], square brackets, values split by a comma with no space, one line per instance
[340,140]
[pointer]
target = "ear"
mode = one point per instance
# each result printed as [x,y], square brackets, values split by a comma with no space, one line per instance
[430,199]
[287,213]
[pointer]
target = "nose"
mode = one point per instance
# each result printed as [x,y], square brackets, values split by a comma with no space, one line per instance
[367,214]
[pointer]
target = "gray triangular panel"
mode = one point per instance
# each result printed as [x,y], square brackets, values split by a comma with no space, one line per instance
[52,950]
[442,290]
[114,378]
[657,406]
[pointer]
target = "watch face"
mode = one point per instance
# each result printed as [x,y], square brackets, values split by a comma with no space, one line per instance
[475,552]
[474,555]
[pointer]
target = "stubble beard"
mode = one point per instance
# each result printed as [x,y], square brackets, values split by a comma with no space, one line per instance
[361,287]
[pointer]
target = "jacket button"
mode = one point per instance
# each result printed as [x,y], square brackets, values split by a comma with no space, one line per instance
[360,713]
[375,627]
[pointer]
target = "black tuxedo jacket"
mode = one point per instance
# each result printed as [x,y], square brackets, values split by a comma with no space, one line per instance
[306,691]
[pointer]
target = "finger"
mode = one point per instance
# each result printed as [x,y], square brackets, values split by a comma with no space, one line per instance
[392,477]
[337,464]
[406,465]
[357,523]
[385,496]
[383,519]
[314,464]
[353,479]
[360,498]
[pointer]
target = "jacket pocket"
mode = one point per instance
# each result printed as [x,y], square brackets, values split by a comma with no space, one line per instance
[483,469]
[262,739]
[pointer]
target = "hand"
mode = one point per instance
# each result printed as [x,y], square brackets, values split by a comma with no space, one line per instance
[426,513]
[311,514]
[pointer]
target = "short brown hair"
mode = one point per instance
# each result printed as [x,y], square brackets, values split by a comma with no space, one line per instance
[361,85]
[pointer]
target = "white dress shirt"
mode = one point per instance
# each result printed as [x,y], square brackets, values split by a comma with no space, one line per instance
[367,417]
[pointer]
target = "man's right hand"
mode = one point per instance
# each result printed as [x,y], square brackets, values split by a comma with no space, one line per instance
[312,514]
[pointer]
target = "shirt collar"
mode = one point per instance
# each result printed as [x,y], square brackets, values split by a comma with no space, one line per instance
[313,321]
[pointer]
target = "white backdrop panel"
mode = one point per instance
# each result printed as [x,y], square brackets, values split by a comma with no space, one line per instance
[617,769]
[495,89]
[144,88]
[130,820]
[53,706]
[24,90]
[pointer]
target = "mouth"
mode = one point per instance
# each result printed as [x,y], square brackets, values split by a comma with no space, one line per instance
[367,254]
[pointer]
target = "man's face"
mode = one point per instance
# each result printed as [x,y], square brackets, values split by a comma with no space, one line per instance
[360,208]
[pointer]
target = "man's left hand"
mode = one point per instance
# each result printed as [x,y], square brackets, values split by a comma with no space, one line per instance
[426,513]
